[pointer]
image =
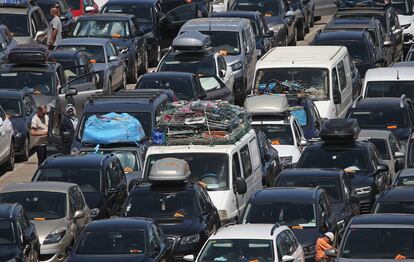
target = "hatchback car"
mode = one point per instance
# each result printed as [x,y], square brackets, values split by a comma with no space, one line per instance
[58,211]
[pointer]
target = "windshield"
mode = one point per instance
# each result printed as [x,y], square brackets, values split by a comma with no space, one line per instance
[293,214]
[390,89]
[156,204]
[101,28]
[199,64]
[256,250]
[388,118]
[389,243]
[40,82]
[143,13]
[313,81]
[401,6]
[405,181]
[112,242]
[353,159]
[224,41]
[215,176]
[38,205]
[360,15]
[143,117]
[182,87]
[403,207]
[6,232]
[11,106]
[266,7]
[95,52]
[89,180]
[16,23]
[129,159]
[357,49]
[331,186]
[277,134]
[381,145]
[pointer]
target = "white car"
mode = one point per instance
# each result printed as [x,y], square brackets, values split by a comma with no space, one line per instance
[6,141]
[251,242]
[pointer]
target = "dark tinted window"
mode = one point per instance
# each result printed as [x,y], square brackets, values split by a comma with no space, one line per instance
[266,7]
[404,207]
[95,53]
[6,232]
[74,4]
[196,63]
[380,118]
[12,107]
[224,41]
[357,49]
[17,23]
[382,147]
[143,13]
[405,181]
[41,82]
[390,89]
[182,87]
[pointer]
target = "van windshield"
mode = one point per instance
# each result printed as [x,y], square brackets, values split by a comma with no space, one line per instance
[312,81]
[390,89]
[210,168]
[224,41]
[196,63]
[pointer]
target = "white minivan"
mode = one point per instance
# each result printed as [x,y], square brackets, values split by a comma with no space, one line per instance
[222,169]
[322,73]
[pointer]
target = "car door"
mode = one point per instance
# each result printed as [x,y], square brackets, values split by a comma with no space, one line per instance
[5,135]
[252,167]
[116,66]
[345,85]
[395,147]
[251,55]
[284,245]
[237,173]
[26,230]
[297,252]
[41,25]
[118,189]
[80,206]
[207,212]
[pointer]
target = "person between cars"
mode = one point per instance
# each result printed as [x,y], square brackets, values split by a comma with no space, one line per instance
[322,244]
[68,125]
[54,30]
[39,130]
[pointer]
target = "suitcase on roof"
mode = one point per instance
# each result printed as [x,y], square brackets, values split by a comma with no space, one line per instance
[28,54]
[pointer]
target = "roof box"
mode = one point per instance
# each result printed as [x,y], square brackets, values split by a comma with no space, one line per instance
[340,130]
[267,104]
[169,169]
[191,40]
[28,54]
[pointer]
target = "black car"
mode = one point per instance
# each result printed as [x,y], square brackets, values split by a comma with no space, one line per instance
[310,120]
[269,157]
[387,113]
[307,211]
[265,38]
[395,200]
[183,209]
[359,44]
[20,107]
[147,14]
[122,240]
[6,43]
[339,149]
[100,177]
[65,15]
[74,64]
[124,32]
[19,240]
[335,182]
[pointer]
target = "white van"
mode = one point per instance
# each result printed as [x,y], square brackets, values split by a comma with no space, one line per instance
[323,73]
[221,168]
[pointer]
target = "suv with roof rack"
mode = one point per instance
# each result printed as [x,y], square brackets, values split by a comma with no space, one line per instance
[251,242]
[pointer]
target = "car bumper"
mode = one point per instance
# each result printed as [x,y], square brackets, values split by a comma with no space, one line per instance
[54,252]
[180,251]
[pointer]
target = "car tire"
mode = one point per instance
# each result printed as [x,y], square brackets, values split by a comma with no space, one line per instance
[26,151]
[9,165]
[300,33]
[134,72]
[156,59]
[144,66]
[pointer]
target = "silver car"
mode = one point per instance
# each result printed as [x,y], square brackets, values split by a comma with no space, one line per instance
[58,211]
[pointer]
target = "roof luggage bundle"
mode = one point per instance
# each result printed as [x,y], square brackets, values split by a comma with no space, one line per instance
[203,122]
[29,54]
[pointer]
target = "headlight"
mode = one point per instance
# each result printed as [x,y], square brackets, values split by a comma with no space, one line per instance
[190,239]
[222,214]
[309,250]
[237,66]
[55,236]
[94,212]
[363,190]
[286,161]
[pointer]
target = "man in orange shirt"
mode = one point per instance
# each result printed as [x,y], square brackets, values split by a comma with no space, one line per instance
[322,244]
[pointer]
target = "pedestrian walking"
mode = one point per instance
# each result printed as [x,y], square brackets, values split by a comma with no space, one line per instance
[68,127]
[39,130]
[54,30]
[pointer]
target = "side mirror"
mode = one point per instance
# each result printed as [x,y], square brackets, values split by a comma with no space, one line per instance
[79,214]
[112,58]
[399,155]
[380,61]
[382,168]
[303,142]
[240,186]
[387,43]
[188,258]
[269,33]
[114,190]
[89,9]
[66,137]
[289,13]
[222,73]
[331,252]
[397,31]
[337,97]
[71,92]
[288,258]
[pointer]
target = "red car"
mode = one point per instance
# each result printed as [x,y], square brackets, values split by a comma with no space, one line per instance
[81,7]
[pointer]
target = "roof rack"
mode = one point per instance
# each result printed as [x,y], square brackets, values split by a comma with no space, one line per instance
[149,96]
[275,226]
[403,98]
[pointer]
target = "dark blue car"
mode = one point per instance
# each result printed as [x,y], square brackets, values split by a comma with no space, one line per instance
[307,114]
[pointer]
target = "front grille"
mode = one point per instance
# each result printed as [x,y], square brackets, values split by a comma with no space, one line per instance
[365,207]
[45,257]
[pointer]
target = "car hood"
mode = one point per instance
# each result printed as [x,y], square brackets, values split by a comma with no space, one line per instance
[273,21]
[179,227]
[47,100]
[24,40]
[99,66]
[93,199]
[306,236]
[44,228]
[107,258]
[361,180]
[8,252]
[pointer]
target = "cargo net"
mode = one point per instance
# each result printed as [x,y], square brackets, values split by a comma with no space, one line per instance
[203,123]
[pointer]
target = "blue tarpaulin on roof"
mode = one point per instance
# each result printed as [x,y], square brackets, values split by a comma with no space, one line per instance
[112,128]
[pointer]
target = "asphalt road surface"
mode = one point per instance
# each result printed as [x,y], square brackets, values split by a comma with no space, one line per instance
[23,171]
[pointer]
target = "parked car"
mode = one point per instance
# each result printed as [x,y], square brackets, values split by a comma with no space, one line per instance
[148,14]
[7,43]
[58,211]
[19,107]
[18,245]
[104,56]
[251,242]
[307,211]
[100,177]
[404,178]
[81,7]
[121,239]
[269,157]
[65,15]
[124,32]
[74,64]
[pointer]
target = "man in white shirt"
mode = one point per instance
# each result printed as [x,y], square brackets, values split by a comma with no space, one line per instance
[54,30]
[39,130]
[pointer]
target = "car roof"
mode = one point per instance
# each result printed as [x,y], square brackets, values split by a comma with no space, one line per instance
[60,187]
[350,21]
[14,10]
[247,231]
[166,74]
[119,223]
[312,172]
[378,102]
[215,23]
[363,10]
[106,17]
[390,74]
[113,104]
[374,133]
[83,41]
[406,173]
[381,220]
[400,193]
[81,161]
[339,35]
[152,2]
[284,194]
[241,14]
[65,55]
[322,145]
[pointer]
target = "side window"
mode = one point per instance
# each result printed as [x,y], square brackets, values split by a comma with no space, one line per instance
[132,26]
[335,84]
[392,21]
[202,199]
[72,203]
[236,166]
[182,13]
[283,244]
[244,41]
[347,67]
[395,145]
[114,174]
[222,65]
[297,131]
[2,114]
[246,161]
[254,150]
[109,51]
[114,50]
[293,241]
[342,76]
[81,200]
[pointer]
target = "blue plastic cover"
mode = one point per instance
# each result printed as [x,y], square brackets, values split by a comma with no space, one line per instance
[14,2]
[112,128]
[300,115]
